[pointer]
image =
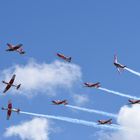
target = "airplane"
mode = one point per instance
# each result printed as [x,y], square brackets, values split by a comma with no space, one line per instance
[16,48]
[10,83]
[118,65]
[96,85]
[68,59]
[105,121]
[10,109]
[131,101]
[59,102]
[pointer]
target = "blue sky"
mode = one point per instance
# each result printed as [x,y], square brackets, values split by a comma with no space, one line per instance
[91,32]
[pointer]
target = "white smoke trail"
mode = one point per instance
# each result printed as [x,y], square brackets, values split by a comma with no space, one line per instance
[93,111]
[118,93]
[132,71]
[75,121]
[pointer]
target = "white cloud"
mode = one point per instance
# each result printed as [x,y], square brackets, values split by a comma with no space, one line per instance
[80,99]
[129,120]
[36,129]
[43,78]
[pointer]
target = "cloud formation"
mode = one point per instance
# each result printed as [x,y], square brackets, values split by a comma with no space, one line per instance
[44,78]
[129,120]
[36,129]
[80,99]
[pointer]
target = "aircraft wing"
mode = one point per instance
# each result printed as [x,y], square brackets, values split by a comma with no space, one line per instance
[109,121]
[8,114]
[9,111]
[9,45]
[12,79]
[10,83]
[20,50]
[9,105]
[19,45]
[7,88]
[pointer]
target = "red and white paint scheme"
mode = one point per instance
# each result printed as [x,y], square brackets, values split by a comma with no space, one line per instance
[10,109]
[105,121]
[132,101]
[17,48]
[95,85]
[10,83]
[119,66]
[59,102]
[68,59]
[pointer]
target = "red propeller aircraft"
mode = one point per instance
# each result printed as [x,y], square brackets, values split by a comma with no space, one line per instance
[95,85]
[16,48]
[59,102]
[118,65]
[132,101]
[10,83]
[68,59]
[105,121]
[10,109]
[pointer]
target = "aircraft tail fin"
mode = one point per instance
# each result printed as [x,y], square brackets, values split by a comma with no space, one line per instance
[18,86]
[18,111]
[23,52]
[3,108]
[86,84]
[129,100]
[20,50]
[4,82]
[65,103]
[69,59]
[99,121]
[110,121]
